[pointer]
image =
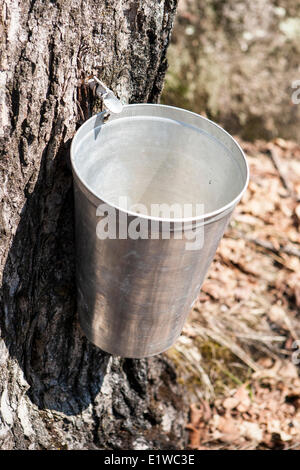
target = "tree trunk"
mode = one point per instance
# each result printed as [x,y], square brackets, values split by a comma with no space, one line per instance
[56,389]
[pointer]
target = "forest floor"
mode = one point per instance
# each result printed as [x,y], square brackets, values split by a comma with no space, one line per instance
[240,348]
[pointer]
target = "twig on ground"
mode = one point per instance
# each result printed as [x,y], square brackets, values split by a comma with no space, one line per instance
[288,250]
[273,154]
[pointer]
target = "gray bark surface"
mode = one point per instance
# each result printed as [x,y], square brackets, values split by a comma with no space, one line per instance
[56,389]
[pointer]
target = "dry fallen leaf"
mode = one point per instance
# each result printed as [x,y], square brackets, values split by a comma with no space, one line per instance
[251,431]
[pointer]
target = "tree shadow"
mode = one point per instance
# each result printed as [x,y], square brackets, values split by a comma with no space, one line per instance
[38,296]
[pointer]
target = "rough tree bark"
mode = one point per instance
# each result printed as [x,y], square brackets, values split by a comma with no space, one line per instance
[56,389]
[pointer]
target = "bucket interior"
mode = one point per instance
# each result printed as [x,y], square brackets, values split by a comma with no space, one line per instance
[148,160]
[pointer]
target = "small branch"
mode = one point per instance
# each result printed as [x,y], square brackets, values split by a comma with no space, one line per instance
[273,154]
[288,250]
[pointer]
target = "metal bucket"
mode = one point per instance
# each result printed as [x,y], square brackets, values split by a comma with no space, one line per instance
[137,281]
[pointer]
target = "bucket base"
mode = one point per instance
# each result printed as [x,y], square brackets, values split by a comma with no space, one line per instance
[98,341]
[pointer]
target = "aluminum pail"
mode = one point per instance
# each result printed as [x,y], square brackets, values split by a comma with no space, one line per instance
[154,190]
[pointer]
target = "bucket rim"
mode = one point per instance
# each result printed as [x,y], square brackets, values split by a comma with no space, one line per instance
[201,218]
